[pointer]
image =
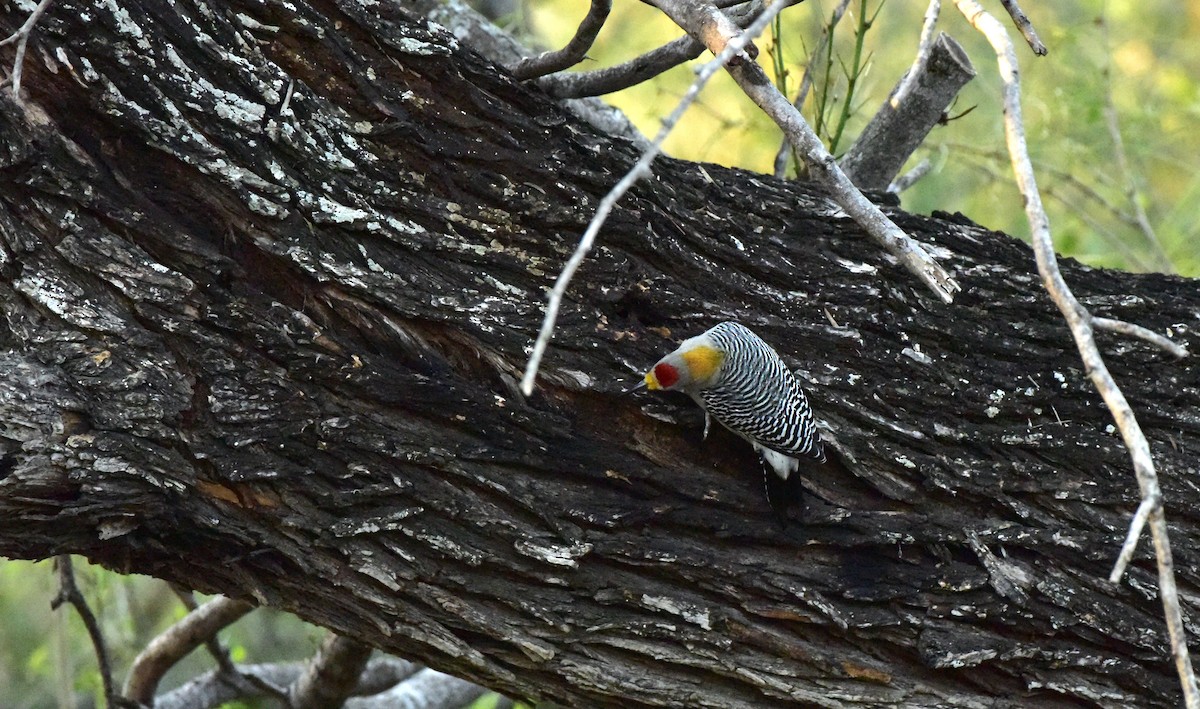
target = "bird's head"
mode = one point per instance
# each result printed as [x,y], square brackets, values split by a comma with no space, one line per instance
[691,367]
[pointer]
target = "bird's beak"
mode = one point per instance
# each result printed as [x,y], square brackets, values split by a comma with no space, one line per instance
[635,387]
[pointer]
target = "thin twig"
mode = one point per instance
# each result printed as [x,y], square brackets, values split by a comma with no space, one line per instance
[806,82]
[1128,328]
[579,84]
[21,36]
[1080,324]
[639,170]
[614,78]
[176,642]
[1025,26]
[68,592]
[911,177]
[1131,537]
[924,47]
[570,55]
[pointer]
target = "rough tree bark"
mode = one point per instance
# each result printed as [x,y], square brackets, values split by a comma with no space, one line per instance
[269,273]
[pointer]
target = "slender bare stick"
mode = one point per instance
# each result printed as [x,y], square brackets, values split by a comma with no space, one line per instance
[911,177]
[176,642]
[68,592]
[708,25]
[1131,537]
[622,76]
[573,53]
[1080,323]
[924,47]
[1025,26]
[639,170]
[1128,328]
[21,37]
[578,84]
[785,148]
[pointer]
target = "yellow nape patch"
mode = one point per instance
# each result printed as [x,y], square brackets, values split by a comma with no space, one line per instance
[703,362]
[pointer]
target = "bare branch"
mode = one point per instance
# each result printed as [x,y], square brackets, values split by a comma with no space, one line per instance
[176,642]
[332,674]
[702,21]
[1025,26]
[924,47]
[911,177]
[215,689]
[1131,537]
[1127,328]
[21,37]
[806,82]
[639,69]
[1080,322]
[570,55]
[68,592]
[622,76]
[640,169]
[427,689]
[901,126]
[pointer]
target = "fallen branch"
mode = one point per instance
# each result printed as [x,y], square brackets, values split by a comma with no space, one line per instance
[1081,323]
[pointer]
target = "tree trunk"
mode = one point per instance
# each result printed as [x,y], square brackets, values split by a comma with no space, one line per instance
[270,272]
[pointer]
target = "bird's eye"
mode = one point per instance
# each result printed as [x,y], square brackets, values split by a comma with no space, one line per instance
[666,375]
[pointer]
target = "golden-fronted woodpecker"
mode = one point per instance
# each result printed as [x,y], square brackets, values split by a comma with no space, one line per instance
[741,381]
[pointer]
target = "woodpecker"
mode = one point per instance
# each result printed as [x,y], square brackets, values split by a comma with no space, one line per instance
[741,381]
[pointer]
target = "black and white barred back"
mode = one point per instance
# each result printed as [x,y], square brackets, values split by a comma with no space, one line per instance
[757,396]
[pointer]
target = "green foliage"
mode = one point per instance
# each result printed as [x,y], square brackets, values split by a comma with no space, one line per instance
[1137,56]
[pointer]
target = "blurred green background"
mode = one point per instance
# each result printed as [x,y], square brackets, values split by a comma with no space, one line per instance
[1140,57]
[1124,65]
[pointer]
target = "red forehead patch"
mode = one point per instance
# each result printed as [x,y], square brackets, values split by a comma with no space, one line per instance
[666,375]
